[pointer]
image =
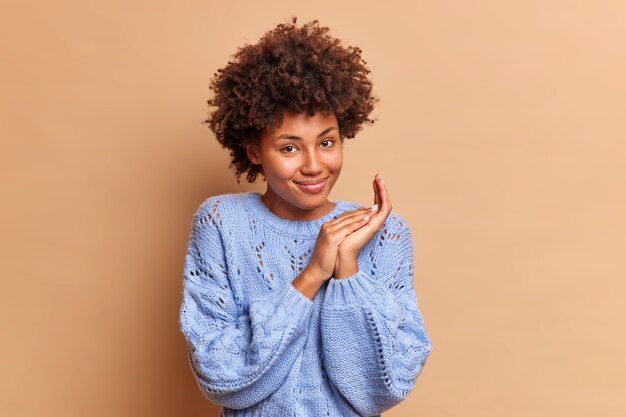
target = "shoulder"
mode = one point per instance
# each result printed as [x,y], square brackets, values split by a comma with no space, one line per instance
[397,223]
[218,209]
[394,236]
[215,220]
[218,217]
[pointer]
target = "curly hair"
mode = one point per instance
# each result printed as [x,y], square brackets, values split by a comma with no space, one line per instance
[289,69]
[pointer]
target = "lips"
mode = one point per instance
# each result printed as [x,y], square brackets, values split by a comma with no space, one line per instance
[312,182]
[313,186]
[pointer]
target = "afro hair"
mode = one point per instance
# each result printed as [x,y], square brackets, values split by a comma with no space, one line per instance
[294,69]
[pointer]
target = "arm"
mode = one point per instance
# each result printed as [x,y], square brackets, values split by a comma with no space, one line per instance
[239,355]
[373,335]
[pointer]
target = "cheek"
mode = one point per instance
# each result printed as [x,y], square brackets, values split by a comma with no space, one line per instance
[335,161]
[283,168]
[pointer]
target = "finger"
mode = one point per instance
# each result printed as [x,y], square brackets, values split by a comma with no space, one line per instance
[348,214]
[376,196]
[352,212]
[380,217]
[350,227]
[354,217]
[386,201]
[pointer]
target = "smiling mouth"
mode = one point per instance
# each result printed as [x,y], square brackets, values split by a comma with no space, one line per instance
[312,182]
[312,187]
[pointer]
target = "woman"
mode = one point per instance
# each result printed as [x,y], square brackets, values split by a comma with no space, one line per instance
[294,305]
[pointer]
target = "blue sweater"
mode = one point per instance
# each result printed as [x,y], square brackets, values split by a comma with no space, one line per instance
[258,347]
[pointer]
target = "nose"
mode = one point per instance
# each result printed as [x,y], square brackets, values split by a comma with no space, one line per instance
[312,164]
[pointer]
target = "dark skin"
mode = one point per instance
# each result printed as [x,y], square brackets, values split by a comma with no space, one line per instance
[341,240]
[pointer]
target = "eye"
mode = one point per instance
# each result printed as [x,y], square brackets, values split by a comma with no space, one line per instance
[287,149]
[329,141]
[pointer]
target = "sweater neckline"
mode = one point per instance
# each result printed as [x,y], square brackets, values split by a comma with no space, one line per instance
[294,228]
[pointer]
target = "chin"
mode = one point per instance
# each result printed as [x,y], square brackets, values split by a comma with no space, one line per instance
[311,201]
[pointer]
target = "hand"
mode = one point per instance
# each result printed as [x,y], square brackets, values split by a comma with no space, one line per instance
[350,247]
[331,236]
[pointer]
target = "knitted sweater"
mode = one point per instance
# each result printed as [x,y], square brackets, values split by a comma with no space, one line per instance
[258,347]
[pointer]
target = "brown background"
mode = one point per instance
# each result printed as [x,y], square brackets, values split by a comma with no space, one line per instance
[501,137]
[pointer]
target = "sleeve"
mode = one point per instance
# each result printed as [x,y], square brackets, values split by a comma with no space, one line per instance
[373,335]
[239,355]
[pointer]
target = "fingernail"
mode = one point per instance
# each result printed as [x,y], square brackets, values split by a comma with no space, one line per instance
[374,207]
[381,178]
[366,217]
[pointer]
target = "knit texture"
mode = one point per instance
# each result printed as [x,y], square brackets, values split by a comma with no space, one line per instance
[258,347]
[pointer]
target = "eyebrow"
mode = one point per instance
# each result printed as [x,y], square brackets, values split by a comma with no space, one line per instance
[294,137]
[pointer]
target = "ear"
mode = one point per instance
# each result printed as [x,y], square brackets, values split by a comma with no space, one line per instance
[253,153]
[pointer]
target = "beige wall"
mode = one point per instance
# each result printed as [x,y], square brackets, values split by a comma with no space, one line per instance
[501,137]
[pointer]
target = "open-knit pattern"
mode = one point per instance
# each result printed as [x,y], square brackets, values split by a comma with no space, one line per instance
[258,347]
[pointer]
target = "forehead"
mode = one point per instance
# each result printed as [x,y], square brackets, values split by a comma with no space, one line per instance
[303,125]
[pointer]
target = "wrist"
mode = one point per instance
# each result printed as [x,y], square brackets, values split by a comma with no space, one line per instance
[346,267]
[308,283]
[314,274]
[347,257]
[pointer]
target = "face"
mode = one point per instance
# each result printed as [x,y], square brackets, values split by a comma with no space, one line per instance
[301,161]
